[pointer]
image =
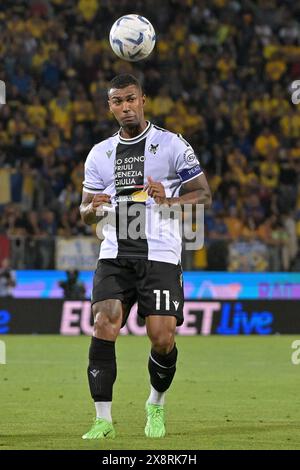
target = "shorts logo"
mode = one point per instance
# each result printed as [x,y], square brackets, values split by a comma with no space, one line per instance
[176,304]
[153,148]
[189,157]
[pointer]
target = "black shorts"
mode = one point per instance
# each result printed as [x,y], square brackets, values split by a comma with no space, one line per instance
[156,286]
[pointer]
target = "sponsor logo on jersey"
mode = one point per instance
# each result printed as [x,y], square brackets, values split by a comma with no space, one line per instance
[140,196]
[129,172]
[137,196]
[109,153]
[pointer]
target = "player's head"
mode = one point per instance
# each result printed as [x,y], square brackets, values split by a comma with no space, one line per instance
[126,100]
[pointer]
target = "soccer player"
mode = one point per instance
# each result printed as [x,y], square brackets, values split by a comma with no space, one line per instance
[149,166]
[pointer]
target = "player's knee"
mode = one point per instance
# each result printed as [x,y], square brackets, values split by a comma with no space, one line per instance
[163,343]
[107,319]
[105,327]
[112,307]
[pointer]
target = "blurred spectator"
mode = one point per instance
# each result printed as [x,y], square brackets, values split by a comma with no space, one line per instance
[219,229]
[7,279]
[266,142]
[72,287]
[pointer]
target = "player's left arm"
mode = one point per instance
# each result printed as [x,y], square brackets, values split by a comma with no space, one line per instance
[194,187]
[194,191]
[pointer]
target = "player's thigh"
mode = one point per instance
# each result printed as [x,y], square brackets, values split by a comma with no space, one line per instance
[113,291]
[109,317]
[160,291]
[113,279]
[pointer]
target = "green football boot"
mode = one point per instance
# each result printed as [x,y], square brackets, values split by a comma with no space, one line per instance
[101,429]
[155,426]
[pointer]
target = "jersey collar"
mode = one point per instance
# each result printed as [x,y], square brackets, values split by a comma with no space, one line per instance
[136,139]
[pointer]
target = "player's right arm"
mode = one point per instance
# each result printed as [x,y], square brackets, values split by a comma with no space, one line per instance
[93,195]
[91,207]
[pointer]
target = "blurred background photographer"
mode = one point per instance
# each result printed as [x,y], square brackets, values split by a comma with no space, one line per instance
[72,287]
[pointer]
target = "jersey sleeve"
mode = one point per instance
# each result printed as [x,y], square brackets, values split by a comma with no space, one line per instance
[187,165]
[92,180]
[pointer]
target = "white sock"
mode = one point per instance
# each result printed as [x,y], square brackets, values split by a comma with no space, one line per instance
[103,410]
[156,398]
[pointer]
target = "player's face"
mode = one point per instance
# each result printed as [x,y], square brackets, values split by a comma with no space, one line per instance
[127,105]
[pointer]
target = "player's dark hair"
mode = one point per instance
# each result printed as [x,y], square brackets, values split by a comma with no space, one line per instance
[124,80]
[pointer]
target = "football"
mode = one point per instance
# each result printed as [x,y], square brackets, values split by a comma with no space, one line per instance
[132,37]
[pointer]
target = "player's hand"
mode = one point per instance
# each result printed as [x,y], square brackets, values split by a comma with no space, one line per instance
[156,190]
[98,201]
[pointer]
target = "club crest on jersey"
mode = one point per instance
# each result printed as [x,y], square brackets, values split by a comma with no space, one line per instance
[189,157]
[108,153]
[153,148]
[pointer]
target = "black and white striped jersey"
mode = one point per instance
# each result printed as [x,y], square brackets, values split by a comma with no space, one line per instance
[120,167]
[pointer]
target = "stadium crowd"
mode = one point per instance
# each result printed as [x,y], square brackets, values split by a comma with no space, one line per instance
[220,74]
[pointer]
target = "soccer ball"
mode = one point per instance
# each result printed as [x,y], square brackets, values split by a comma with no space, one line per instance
[132,37]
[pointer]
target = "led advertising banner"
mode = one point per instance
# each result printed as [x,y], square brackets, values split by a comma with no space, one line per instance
[24,316]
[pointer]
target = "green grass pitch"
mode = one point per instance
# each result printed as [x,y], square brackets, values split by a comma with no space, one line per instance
[228,393]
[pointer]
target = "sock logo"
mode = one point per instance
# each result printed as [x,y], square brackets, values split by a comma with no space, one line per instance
[94,372]
[161,376]
[176,304]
